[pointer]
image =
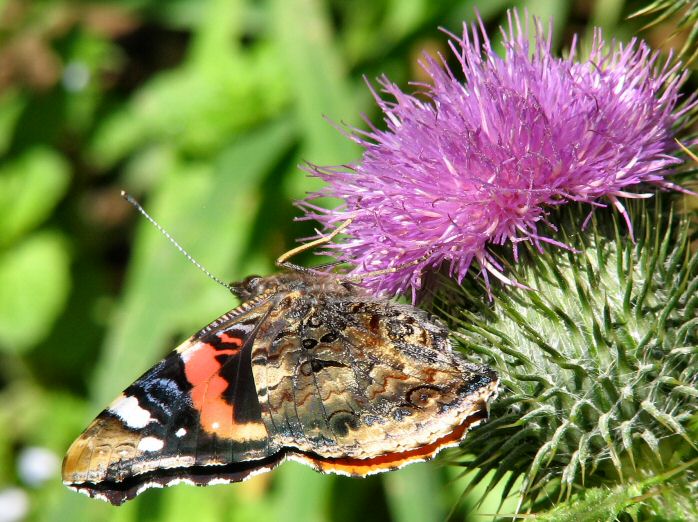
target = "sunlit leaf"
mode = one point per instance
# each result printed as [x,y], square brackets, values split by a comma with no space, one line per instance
[11,104]
[34,284]
[30,187]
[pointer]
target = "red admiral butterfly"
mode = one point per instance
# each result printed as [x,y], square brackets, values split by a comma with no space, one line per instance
[308,368]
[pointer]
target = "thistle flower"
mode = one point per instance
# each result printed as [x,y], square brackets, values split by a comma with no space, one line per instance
[465,165]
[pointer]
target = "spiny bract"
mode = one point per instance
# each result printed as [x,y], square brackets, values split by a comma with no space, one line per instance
[599,364]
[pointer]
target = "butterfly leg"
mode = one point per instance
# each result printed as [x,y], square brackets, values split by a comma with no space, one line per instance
[282,260]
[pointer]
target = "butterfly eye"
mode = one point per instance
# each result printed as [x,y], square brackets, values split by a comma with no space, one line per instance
[252,285]
[251,282]
[247,288]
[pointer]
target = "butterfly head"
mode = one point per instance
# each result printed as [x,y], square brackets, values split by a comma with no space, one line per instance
[248,288]
[256,286]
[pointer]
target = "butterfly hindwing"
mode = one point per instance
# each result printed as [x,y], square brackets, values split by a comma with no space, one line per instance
[358,386]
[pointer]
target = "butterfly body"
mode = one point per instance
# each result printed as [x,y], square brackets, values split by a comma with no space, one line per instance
[306,368]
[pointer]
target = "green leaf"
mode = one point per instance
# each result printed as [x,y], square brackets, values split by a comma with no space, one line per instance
[318,76]
[30,187]
[196,111]
[34,285]
[12,103]
[221,89]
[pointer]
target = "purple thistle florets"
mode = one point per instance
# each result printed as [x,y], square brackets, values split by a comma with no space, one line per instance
[463,165]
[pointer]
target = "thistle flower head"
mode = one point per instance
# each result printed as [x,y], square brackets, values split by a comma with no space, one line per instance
[465,164]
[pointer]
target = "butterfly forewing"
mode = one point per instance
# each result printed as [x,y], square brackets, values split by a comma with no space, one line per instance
[198,407]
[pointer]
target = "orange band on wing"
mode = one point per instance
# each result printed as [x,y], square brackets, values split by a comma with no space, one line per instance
[389,461]
[227,339]
[208,386]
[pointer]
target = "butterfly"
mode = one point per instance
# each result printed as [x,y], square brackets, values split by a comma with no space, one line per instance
[307,368]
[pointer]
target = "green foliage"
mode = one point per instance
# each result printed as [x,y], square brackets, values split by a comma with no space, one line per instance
[599,367]
[203,110]
[34,266]
[33,287]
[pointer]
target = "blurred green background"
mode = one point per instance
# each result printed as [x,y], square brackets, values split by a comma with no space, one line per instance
[203,110]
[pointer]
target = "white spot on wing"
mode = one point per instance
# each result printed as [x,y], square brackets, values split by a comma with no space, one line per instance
[187,349]
[129,411]
[245,328]
[150,444]
[162,463]
[218,481]
[148,485]
[180,480]
[181,432]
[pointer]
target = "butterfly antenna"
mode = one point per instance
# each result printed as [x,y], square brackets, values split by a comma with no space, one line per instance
[172,240]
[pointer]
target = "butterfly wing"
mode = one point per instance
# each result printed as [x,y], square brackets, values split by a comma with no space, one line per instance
[194,417]
[358,386]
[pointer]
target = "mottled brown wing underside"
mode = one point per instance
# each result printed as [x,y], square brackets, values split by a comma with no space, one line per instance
[361,379]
